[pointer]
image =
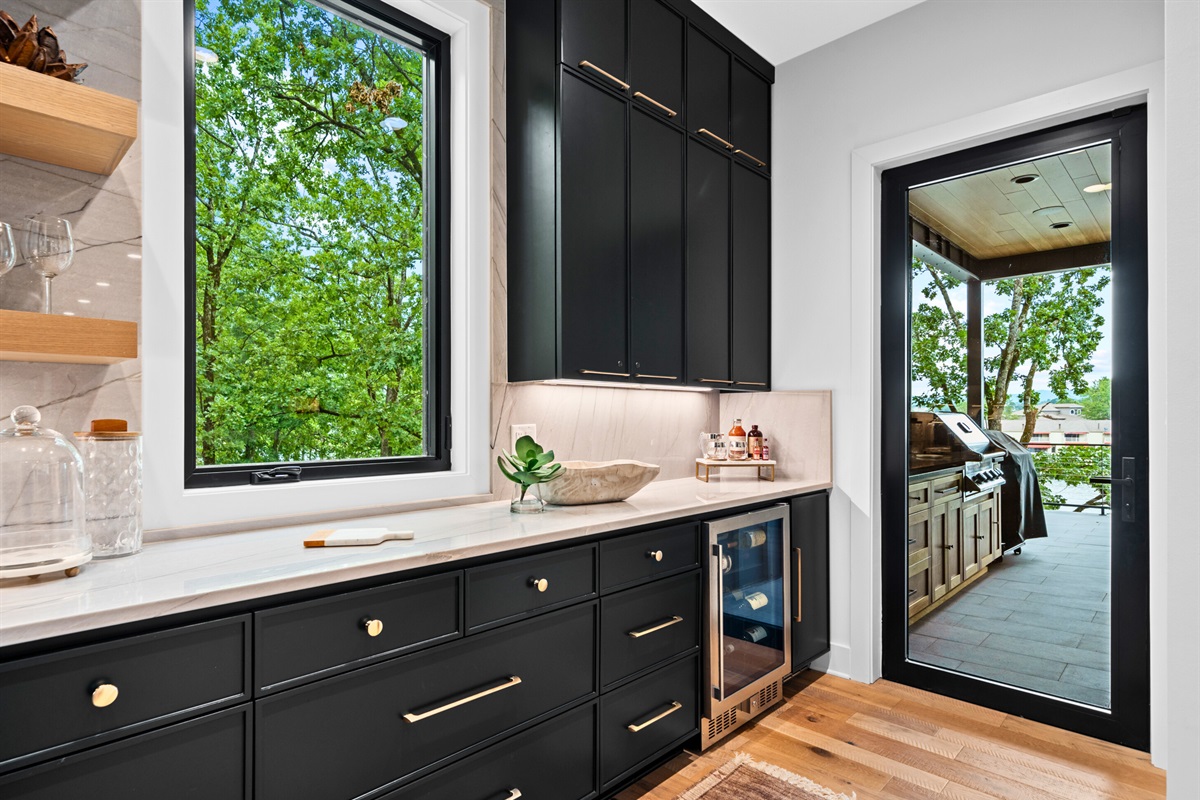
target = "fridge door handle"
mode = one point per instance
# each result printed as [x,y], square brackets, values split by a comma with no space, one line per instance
[718,630]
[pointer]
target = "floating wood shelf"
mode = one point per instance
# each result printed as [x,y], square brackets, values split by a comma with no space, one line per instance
[59,122]
[65,340]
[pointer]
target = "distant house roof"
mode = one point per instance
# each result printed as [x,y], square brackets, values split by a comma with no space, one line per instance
[1055,424]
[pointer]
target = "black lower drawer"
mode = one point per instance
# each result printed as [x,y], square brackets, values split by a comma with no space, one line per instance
[639,720]
[349,735]
[554,761]
[648,625]
[204,759]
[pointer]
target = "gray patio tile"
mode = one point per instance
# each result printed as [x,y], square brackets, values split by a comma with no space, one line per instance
[1074,604]
[1048,619]
[1014,662]
[994,587]
[931,628]
[981,610]
[946,616]
[1103,617]
[1101,644]
[1085,676]
[1047,651]
[936,660]
[1078,591]
[1022,576]
[1043,605]
[917,641]
[1010,678]
[1013,626]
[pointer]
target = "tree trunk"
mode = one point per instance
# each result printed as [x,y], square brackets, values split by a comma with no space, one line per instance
[1009,355]
[1031,410]
[208,339]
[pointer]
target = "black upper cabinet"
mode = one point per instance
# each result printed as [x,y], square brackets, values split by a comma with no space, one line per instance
[593,31]
[750,310]
[656,249]
[593,238]
[708,267]
[656,58]
[707,89]
[751,118]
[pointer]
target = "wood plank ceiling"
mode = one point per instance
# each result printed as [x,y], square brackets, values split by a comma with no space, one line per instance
[990,216]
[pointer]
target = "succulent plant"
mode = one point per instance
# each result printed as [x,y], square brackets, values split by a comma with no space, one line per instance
[36,49]
[528,464]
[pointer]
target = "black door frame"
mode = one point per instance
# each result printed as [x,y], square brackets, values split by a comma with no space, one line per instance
[1128,721]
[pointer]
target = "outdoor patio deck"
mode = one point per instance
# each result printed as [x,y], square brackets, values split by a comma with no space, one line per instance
[1039,620]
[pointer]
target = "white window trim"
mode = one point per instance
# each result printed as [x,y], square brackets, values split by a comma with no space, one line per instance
[166,503]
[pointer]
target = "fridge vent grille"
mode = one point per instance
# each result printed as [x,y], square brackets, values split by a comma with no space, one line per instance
[722,723]
[768,695]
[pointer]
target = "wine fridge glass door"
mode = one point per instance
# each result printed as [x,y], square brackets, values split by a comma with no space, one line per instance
[750,633]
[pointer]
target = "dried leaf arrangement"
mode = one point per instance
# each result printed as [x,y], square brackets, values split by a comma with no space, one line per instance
[35,49]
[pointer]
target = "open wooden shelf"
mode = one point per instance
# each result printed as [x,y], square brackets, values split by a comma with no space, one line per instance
[25,336]
[59,122]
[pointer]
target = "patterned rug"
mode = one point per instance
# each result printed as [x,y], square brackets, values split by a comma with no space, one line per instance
[743,778]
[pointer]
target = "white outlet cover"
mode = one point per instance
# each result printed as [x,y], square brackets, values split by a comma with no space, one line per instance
[517,431]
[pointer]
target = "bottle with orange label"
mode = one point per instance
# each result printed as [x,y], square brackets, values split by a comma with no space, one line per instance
[754,443]
[737,441]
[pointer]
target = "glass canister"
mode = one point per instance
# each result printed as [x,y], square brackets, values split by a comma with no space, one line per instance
[41,500]
[112,463]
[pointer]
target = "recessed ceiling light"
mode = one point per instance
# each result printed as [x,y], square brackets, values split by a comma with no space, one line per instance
[136,256]
[1097,187]
[103,283]
[1046,211]
[68,313]
[84,300]
[1057,225]
[1024,179]
[394,124]
[206,56]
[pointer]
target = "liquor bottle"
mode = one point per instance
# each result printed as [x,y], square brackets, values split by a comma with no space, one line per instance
[754,443]
[754,633]
[737,441]
[766,449]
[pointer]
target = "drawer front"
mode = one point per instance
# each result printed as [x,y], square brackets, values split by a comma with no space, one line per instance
[351,734]
[513,589]
[649,706]
[55,703]
[945,488]
[555,760]
[642,556]
[203,759]
[918,537]
[920,590]
[645,626]
[918,495]
[322,637]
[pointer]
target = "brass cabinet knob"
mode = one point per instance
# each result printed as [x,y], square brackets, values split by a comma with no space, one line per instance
[541,584]
[104,695]
[655,554]
[373,627]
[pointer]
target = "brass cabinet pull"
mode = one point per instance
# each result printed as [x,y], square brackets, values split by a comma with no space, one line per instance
[609,75]
[541,584]
[672,621]
[514,794]
[642,96]
[655,554]
[743,153]
[799,594]
[675,706]
[508,684]
[104,694]
[373,627]
[712,135]
[750,383]
[713,380]
[598,372]
[658,377]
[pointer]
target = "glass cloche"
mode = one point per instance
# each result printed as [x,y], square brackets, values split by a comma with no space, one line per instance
[41,500]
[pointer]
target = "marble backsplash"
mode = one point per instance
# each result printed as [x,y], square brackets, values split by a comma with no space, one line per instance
[105,213]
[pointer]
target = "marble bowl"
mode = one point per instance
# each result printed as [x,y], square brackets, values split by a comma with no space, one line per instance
[583,482]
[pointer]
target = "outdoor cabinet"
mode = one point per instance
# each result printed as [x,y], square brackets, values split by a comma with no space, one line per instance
[810,578]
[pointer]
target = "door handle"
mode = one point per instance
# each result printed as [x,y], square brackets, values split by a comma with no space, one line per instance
[1128,486]
[799,616]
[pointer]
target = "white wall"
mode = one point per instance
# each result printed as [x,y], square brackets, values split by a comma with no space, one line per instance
[1180,693]
[927,68]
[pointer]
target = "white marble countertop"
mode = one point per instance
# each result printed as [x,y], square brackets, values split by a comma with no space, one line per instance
[188,574]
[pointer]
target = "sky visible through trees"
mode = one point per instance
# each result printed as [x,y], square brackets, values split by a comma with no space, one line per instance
[310,292]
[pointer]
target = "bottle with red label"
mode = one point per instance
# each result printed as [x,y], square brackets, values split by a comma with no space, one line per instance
[754,443]
[737,441]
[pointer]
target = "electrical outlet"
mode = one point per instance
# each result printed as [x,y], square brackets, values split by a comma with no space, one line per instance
[517,431]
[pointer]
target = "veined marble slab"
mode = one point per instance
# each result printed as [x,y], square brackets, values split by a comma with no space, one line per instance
[203,572]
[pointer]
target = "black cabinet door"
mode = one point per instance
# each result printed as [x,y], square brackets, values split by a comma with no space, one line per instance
[707,267]
[751,117]
[810,578]
[594,284]
[594,31]
[707,87]
[751,307]
[656,58]
[656,250]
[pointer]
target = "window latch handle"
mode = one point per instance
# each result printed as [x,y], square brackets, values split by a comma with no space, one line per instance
[277,475]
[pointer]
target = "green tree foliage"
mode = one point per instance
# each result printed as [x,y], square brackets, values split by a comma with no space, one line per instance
[1051,326]
[1074,466]
[1097,400]
[939,341]
[310,296]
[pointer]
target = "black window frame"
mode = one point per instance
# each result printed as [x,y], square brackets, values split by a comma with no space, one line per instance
[434,44]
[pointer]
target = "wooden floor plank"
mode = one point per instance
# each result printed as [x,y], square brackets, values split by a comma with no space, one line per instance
[891,742]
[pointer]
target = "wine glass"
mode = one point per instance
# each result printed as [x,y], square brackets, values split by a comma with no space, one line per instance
[8,248]
[49,248]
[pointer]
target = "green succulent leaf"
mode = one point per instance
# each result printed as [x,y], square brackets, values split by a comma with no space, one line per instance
[528,464]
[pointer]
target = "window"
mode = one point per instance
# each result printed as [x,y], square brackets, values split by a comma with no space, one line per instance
[1074,437]
[318,242]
